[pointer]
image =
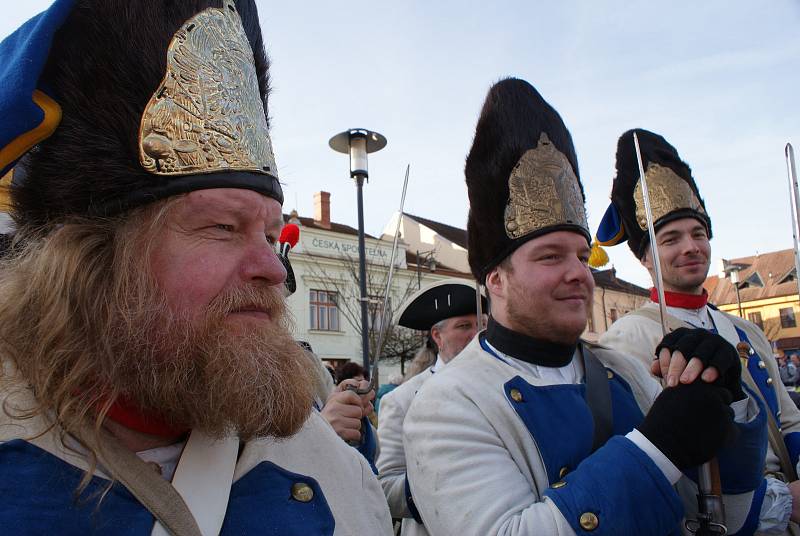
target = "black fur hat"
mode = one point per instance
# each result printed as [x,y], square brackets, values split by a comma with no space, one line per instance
[673,192]
[519,139]
[107,65]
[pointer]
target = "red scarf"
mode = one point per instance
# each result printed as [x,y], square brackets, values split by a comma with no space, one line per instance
[681,300]
[128,415]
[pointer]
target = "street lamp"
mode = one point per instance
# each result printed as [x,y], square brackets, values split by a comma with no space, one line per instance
[731,270]
[358,142]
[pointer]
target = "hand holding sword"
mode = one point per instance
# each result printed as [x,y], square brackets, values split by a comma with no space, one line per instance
[711,516]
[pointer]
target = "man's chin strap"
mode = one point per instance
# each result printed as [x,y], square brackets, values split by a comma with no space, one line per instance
[681,300]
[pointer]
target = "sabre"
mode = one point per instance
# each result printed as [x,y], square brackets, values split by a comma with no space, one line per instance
[711,516]
[794,201]
[373,364]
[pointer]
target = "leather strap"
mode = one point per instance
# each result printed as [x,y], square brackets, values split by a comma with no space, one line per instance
[598,397]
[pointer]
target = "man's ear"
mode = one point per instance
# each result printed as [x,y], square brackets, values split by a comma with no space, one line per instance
[496,282]
[646,260]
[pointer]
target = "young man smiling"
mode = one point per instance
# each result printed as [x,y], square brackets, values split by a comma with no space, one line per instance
[530,430]
[683,231]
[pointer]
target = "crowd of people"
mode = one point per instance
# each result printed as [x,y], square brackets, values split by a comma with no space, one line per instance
[151,383]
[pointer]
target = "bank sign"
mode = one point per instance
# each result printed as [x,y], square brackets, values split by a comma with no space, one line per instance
[337,247]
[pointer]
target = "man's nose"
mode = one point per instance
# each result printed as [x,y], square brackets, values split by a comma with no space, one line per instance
[261,263]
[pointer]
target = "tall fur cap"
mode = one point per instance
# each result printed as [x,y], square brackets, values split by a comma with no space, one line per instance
[105,63]
[513,117]
[654,149]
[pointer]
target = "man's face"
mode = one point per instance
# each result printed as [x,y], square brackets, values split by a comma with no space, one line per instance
[216,241]
[454,334]
[546,290]
[795,359]
[685,254]
[217,352]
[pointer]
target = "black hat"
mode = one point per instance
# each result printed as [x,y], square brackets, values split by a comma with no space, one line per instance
[155,99]
[439,301]
[673,192]
[522,176]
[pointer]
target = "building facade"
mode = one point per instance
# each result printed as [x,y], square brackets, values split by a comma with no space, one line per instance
[763,290]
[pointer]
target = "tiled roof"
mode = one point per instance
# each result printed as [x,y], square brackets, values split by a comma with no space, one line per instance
[608,279]
[772,268]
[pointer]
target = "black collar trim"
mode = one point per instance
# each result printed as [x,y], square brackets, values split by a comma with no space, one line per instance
[535,351]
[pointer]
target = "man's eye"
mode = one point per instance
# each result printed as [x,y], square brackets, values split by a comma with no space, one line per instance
[223,227]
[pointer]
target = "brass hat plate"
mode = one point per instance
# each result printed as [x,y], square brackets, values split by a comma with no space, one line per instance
[207,115]
[543,192]
[668,192]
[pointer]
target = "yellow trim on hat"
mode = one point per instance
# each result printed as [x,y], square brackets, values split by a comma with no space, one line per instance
[5,194]
[614,240]
[20,145]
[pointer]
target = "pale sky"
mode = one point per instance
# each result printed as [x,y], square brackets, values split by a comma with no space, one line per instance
[719,79]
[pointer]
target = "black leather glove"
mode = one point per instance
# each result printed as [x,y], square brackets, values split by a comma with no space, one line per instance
[690,423]
[713,351]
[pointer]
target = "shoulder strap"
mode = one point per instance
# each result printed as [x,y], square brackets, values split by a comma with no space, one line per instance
[598,397]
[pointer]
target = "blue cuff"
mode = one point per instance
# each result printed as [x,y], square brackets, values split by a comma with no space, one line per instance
[751,523]
[616,484]
[741,463]
[369,444]
[410,503]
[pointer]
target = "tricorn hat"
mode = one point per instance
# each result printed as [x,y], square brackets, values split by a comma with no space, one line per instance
[522,176]
[439,301]
[671,188]
[112,104]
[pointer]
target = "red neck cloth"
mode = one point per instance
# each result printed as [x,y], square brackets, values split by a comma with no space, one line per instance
[681,300]
[128,415]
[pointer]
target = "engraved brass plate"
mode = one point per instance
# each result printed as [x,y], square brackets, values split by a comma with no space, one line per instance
[668,192]
[207,115]
[543,192]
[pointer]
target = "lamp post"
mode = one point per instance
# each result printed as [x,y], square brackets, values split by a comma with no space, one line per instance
[358,142]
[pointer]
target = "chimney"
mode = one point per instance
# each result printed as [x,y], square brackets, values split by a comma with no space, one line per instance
[322,209]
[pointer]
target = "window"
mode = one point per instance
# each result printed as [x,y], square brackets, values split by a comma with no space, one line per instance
[787,318]
[612,313]
[324,310]
[375,311]
[755,318]
[590,321]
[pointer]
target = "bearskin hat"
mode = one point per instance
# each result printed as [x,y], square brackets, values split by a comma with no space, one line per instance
[672,189]
[156,98]
[522,176]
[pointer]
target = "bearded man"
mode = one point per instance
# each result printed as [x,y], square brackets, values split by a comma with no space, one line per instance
[683,233]
[533,431]
[150,383]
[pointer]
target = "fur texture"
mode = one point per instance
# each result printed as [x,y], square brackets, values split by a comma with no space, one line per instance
[104,66]
[655,149]
[513,117]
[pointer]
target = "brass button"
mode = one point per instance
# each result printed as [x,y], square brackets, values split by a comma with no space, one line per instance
[589,521]
[609,374]
[769,381]
[516,395]
[761,364]
[302,492]
[559,484]
[563,472]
